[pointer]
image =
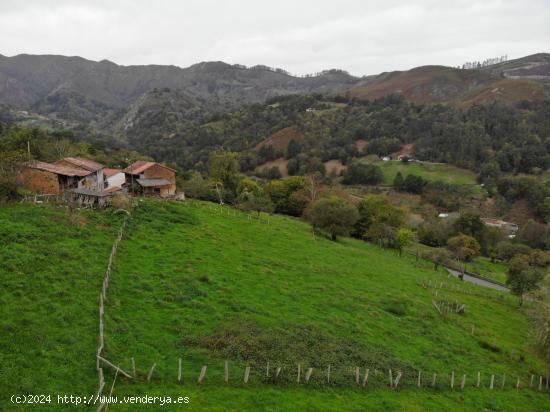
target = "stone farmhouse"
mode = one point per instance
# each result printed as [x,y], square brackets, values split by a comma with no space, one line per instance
[150,178]
[90,182]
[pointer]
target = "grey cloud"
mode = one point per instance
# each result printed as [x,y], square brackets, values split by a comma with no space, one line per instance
[363,37]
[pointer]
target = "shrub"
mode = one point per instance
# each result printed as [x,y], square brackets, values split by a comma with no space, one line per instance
[334,215]
[121,201]
[463,246]
[361,173]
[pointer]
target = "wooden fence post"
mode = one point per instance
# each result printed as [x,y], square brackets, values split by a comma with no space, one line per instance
[246,374]
[492,382]
[179,370]
[463,382]
[202,374]
[434,379]
[308,374]
[267,370]
[357,375]
[391,379]
[150,374]
[133,367]
[452,379]
[418,380]
[328,374]
[397,378]
[478,379]
[503,381]
[366,378]
[226,372]
[540,383]
[277,372]
[531,382]
[298,378]
[517,384]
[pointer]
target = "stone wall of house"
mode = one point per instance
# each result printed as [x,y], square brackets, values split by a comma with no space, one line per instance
[39,181]
[158,172]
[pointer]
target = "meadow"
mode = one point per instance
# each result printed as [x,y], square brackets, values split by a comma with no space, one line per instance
[210,285]
[429,171]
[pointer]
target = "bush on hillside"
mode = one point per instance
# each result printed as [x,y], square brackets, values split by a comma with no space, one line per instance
[362,174]
[121,201]
[333,215]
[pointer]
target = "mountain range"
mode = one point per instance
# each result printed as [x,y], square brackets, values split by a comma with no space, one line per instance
[103,97]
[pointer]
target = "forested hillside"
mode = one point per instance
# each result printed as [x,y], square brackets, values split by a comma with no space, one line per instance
[489,138]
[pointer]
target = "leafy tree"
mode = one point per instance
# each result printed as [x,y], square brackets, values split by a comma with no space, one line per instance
[413,184]
[288,195]
[464,247]
[377,218]
[362,173]
[293,167]
[470,224]
[506,250]
[438,256]
[522,278]
[435,233]
[534,234]
[249,186]
[293,149]
[403,237]
[223,166]
[196,187]
[334,215]
[255,201]
[398,181]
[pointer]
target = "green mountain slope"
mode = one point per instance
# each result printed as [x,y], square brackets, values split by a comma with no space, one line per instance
[190,281]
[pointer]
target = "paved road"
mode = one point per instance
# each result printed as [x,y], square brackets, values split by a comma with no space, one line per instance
[479,281]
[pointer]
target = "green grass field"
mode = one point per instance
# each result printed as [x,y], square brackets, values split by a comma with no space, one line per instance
[429,171]
[191,282]
[51,269]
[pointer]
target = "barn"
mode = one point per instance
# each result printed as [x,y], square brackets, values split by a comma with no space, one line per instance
[94,178]
[47,178]
[151,179]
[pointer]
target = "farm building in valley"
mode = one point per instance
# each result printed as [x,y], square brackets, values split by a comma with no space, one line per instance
[94,179]
[79,179]
[47,178]
[150,178]
[508,227]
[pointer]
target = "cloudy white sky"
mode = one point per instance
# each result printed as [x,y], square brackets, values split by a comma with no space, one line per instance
[302,36]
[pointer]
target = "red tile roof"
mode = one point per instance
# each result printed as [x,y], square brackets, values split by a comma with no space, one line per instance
[84,163]
[59,169]
[141,165]
[107,172]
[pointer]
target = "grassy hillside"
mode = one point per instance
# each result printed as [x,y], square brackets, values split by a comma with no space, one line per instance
[51,268]
[191,282]
[429,171]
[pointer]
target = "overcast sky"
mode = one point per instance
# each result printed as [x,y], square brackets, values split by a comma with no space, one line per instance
[363,37]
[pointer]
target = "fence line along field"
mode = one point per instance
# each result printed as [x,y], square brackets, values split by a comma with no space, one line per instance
[210,285]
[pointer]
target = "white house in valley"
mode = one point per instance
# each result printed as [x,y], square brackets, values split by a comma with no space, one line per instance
[114,178]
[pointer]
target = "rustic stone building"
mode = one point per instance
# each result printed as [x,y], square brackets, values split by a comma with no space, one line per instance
[94,179]
[46,178]
[150,178]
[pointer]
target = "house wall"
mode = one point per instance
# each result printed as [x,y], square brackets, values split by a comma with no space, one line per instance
[39,181]
[93,181]
[158,172]
[117,180]
[167,190]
